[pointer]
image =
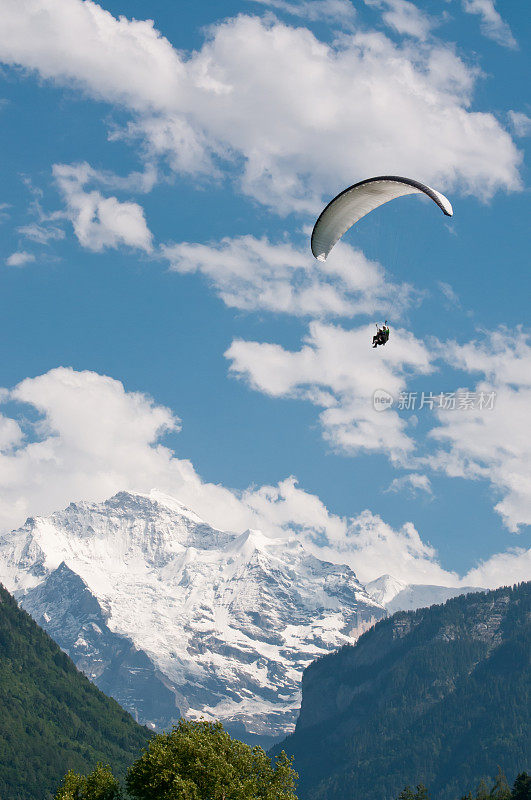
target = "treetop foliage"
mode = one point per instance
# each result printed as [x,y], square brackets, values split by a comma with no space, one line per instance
[195,761]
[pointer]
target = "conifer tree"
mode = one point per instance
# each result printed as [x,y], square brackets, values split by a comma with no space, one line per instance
[522,787]
[406,794]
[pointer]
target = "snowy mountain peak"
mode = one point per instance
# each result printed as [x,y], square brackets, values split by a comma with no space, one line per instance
[249,542]
[174,505]
[384,588]
[227,620]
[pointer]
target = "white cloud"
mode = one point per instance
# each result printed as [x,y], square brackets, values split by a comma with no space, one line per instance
[449,293]
[10,433]
[250,273]
[501,569]
[71,41]
[411,484]
[287,131]
[339,11]
[92,438]
[99,221]
[492,444]
[338,371]
[404,17]
[492,25]
[376,548]
[42,234]
[520,123]
[20,259]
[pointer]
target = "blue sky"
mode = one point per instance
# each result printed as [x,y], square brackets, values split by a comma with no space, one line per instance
[164,323]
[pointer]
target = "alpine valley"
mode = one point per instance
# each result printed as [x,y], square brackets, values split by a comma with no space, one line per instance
[172,617]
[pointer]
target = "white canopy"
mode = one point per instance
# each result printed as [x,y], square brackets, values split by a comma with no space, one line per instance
[356,201]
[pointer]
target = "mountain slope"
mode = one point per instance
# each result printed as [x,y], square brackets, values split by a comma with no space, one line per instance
[64,606]
[228,622]
[51,717]
[439,695]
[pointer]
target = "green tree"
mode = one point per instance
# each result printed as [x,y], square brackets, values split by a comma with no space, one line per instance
[409,794]
[200,761]
[522,787]
[406,794]
[99,785]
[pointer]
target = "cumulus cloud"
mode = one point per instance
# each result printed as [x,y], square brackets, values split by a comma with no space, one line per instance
[491,444]
[336,371]
[370,543]
[287,130]
[20,259]
[250,273]
[90,438]
[99,221]
[501,569]
[492,25]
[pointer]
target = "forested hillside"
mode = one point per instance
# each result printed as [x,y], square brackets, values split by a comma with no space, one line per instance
[438,696]
[52,718]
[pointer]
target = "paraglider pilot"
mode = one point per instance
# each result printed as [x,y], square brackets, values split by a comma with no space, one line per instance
[381,336]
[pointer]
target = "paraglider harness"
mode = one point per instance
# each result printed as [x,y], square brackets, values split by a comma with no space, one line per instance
[381,336]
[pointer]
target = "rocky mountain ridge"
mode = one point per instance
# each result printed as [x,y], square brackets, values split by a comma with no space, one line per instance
[439,696]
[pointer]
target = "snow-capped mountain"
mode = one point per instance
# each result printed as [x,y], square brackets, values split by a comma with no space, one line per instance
[398,596]
[173,617]
[385,588]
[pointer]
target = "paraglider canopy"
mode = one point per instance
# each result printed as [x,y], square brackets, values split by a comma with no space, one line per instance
[358,200]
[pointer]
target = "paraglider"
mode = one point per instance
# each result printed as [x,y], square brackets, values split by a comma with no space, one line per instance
[381,336]
[355,202]
[358,200]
